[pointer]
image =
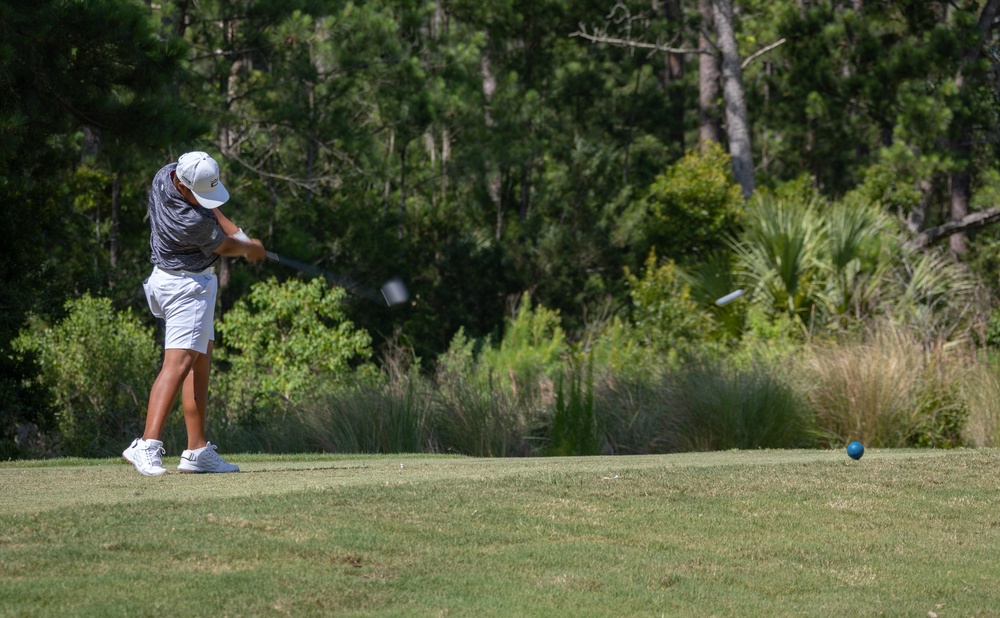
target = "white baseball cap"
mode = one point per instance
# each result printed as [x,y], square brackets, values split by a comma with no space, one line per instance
[200,173]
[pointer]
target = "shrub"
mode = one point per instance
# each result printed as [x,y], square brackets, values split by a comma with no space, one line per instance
[858,257]
[838,266]
[481,420]
[663,314]
[694,204]
[530,352]
[937,298]
[98,366]
[282,340]
[636,416]
[710,279]
[885,187]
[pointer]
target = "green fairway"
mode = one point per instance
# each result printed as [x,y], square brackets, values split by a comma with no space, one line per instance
[761,533]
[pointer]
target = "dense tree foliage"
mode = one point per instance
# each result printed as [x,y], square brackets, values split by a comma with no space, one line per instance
[485,150]
[85,105]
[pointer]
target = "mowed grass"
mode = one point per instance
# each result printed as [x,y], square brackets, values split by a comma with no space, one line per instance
[761,533]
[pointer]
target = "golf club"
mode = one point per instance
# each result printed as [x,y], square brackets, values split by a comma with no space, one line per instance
[393,291]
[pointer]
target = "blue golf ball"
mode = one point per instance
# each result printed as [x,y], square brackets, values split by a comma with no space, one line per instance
[855,450]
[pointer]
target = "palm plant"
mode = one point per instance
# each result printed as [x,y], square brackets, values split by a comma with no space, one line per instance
[859,257]
[780,252]
[937,297]
[848,264]
[713,278]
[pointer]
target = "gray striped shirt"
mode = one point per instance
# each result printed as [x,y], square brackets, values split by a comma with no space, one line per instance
[182,236]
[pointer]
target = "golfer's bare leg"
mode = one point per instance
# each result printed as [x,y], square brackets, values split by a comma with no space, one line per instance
[194,398]
[177,365]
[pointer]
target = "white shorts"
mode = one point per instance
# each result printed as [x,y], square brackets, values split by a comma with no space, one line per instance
[186,301]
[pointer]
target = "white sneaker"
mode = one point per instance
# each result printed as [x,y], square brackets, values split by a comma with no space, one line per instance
[146,456]
[204,460]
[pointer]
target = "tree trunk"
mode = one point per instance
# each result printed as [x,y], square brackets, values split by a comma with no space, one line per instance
[116,198]
[630,128]
[402,182]
[673,78]
[225,276]
[493,173]
[708,81]
[960,181]
[439,26]
[437,20]
[228,87]
[525,192]
[228,84]
[387,189]
[737,123]
[91,144]
[916,219]
[960,190]
[445,155]
[311,140]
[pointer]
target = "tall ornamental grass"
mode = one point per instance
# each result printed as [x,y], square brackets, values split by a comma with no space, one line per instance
[360,419]
[481,420]
[888,391]
[981,393]
[717,407]
[573,428]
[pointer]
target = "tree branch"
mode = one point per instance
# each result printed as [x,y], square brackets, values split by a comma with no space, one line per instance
[969,222]
[603,38]
[597,37]
[761,52]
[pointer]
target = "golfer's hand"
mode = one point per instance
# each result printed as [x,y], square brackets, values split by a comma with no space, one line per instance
[255,250]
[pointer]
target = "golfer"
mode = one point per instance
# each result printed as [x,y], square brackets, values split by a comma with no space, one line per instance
[188,234]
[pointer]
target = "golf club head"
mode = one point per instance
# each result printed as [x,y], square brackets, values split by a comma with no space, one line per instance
[728,298]
[394,291]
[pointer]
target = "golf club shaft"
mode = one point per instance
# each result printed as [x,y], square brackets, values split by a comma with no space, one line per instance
[347,283]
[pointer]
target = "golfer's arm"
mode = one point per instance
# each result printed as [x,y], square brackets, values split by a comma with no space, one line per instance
[231,247]
[228,227]
[234,247]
